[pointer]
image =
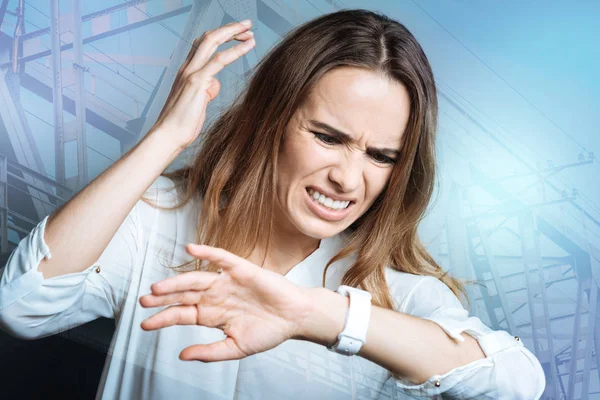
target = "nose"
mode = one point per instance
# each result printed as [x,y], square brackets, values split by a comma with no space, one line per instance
[347,172]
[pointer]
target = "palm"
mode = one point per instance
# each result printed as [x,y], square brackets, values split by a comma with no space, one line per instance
[257,309]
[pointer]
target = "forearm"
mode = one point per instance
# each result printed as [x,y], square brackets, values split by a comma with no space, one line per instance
[79,231]
[407,346]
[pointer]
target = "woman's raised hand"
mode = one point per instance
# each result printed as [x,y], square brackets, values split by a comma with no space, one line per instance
[195,85]
[256,308]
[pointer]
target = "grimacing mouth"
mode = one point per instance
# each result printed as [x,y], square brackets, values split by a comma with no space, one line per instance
[308,190]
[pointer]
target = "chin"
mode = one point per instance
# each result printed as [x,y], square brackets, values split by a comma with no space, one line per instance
[320,230]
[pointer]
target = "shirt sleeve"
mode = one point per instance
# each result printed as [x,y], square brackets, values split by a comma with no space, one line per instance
[509,371]
[33,307]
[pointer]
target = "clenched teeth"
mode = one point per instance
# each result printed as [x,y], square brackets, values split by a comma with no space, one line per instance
[328,202]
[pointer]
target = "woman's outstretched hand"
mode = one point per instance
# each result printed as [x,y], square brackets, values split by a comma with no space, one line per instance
[195,85]
[256,308]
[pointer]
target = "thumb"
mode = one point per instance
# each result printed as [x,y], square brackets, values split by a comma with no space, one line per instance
[214,89]
[219,351]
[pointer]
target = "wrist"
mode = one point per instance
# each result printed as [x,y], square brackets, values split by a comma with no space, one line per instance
[324,316]
[165,138]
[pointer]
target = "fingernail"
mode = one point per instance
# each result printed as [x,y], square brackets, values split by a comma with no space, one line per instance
[246,22]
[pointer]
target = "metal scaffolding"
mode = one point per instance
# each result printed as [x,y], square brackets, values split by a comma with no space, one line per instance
[519,277]
[58,74]
[522,289]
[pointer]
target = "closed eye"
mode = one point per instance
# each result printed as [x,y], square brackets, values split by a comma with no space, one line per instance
[378,157]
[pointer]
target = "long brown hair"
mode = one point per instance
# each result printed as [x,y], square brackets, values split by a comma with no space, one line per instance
[235,169]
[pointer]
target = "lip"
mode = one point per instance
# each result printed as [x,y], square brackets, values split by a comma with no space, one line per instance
[331,196]
[322,212]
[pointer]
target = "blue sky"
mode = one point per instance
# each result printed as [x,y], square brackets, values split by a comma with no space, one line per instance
[530,66]
[546,50]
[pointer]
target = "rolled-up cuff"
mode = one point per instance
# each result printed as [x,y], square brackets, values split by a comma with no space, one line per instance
[491,341]
[39,237]
[438,384]
[23,276]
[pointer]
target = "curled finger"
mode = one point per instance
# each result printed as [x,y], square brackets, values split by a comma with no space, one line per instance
[173,315]
[242,36]
[222,257]
[225,349]
[211,40]
[194,280]
[187,298]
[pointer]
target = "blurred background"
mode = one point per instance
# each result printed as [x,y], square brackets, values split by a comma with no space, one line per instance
[517,200]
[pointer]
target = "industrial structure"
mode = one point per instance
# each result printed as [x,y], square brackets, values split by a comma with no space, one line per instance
[527,237]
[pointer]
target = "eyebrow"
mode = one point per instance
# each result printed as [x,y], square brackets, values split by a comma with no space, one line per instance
[347,138]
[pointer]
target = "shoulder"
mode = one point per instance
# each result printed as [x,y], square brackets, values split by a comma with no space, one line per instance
[166,227]
[161,186]
[420,294]
[164,192]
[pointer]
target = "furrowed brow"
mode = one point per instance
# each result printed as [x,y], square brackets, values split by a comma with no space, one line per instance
[348,139]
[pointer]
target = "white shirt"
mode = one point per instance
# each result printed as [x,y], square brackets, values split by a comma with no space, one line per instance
[146,365]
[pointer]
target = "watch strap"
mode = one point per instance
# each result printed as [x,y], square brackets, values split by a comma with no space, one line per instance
[354,334]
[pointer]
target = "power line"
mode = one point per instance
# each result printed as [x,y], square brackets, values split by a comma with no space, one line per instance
[93,59]
[168,28]
[516,145]
[586,229]
[108,56]
[315,7]
[504,80]
[101,64]
[181,38]
[467,131]
[52,126]
[112,70]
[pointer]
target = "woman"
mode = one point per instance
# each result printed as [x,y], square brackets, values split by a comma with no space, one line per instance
[314,180]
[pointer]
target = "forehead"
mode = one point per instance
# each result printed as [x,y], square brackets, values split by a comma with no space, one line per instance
[361,103]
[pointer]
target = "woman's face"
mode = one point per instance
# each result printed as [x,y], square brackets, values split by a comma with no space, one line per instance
[371,114]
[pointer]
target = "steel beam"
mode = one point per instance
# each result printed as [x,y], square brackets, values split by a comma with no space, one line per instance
[456,232]
[530,249]
[22,143]
[575,343]
[57,98]
[203,16]
[82,164]
[99,113]
[30,41]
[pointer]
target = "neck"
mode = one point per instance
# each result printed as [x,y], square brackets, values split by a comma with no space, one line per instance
[283,255]
[288,247]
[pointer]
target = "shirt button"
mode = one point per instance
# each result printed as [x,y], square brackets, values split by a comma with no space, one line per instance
[437,383]
[97,269]
[517,338]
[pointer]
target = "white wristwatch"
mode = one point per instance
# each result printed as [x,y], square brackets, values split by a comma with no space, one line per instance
[354,335]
